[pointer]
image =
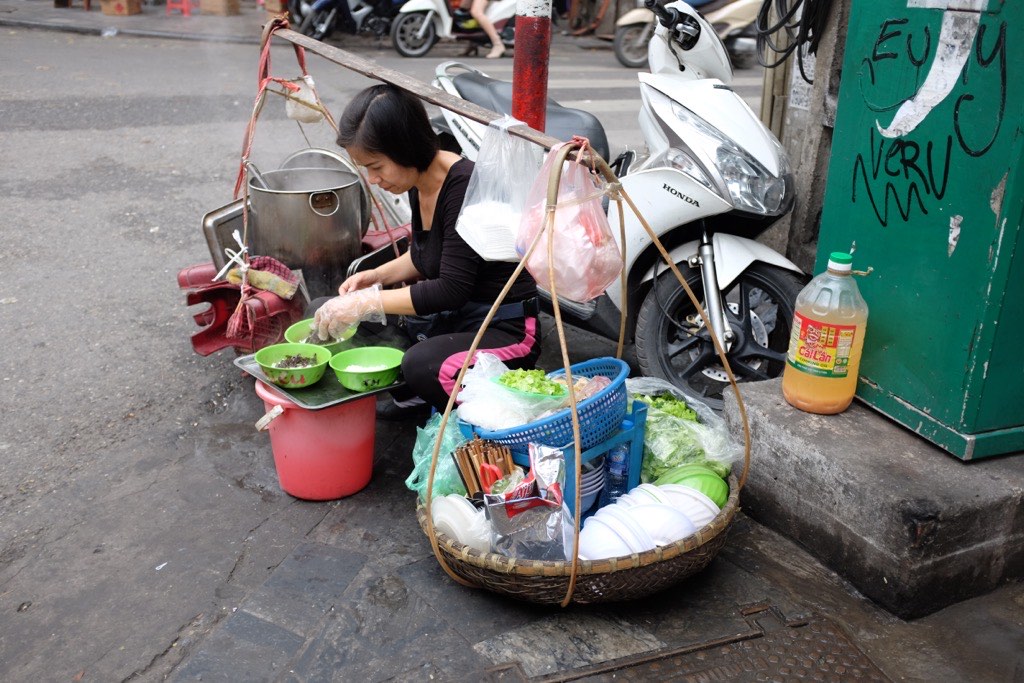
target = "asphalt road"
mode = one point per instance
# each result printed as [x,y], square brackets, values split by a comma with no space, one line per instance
[137,502]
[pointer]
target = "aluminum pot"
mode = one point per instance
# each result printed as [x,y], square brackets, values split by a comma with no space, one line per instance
[311,219]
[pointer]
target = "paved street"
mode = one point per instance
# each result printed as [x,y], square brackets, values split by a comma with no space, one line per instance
[143,534]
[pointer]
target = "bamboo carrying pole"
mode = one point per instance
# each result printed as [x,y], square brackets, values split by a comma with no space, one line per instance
[472,111]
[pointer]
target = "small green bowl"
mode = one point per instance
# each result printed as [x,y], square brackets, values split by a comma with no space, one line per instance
[708,483]
[677,473]
[293,378]
[386,362]
[297,334]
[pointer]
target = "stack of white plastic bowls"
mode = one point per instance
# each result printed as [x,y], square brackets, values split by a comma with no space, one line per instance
[647,517]
[591,482]
[456,517]
[695,505]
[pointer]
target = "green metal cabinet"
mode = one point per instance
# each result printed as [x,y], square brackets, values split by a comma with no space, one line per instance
[925,176]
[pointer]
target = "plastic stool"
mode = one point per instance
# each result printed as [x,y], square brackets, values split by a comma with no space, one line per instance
[185,6]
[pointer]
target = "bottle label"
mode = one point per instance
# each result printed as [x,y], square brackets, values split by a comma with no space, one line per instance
[820,349]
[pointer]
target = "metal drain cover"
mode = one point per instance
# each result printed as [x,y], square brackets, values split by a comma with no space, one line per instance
[775,649]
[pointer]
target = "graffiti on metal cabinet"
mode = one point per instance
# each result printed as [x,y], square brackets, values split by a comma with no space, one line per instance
[906,169]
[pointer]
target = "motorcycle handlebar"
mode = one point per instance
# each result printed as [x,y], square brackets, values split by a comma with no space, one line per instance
[667,16]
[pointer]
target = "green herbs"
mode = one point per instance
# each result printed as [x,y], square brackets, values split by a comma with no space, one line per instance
[295,362]
[669,404]
[675,436]
[531,382]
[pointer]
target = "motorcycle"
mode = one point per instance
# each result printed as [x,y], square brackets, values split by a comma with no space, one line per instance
[421,23]
[733,20]
[321,18]
[713,179]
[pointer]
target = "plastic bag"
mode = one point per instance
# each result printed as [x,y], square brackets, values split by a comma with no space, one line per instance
[670,441]
[531,520]
[486,403]
[446,476]
[302,105]
[586,258]
[497,191]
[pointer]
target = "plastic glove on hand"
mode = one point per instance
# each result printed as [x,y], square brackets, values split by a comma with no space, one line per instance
[338,314]
[334,317]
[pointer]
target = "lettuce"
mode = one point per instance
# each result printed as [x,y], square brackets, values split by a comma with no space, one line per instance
[531,382]
[674,436]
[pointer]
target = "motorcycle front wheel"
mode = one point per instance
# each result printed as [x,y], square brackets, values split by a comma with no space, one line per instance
[405,34]
[673,343]
[630,46]
[318,25]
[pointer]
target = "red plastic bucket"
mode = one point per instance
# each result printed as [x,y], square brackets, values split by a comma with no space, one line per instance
[322,454]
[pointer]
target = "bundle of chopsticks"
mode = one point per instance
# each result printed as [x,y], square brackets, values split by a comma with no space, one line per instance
[475,458]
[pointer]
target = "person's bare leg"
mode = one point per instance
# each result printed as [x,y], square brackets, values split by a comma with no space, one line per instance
[477,11]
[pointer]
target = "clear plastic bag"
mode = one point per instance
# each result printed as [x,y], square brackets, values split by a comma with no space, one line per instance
[670,441]
[587,259]
[446,476]
[497,192]
[303,105]
[488,404]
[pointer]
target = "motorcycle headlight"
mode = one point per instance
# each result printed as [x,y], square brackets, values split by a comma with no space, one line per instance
[744,181]
[681,161]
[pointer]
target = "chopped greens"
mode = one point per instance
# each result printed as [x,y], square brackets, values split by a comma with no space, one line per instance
[531,382]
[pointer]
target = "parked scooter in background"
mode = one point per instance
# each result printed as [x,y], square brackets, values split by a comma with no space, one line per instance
[714,179]
[320,18]
[421,23]
[733,20]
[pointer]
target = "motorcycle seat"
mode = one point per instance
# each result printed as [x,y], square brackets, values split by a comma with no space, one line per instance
[561,122]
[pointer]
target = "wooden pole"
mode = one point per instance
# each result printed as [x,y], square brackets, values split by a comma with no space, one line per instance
[424,91]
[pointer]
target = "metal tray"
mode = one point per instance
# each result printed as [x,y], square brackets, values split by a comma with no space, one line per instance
[327,392]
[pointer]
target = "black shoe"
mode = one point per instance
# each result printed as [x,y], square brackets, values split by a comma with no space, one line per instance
[387,410]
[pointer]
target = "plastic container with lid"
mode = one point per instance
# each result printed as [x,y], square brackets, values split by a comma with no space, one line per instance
[827,340]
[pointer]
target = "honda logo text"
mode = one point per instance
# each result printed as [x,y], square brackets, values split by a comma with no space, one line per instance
[674,191]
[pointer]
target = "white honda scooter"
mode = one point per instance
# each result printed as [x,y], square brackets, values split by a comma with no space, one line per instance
[733,21]
[421,23]
[714,179]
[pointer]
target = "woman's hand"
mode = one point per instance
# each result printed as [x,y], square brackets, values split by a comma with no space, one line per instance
[366,278]
[338,314]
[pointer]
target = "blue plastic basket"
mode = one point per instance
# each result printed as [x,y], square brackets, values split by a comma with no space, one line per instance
[600,415]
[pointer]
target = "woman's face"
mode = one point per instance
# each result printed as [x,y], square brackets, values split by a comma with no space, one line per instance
[383,172]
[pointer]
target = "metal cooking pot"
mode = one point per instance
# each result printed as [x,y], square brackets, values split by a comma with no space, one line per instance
[312,219]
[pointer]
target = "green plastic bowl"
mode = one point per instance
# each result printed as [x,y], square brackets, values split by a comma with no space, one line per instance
[293,378]
[677,473]
[297,334]
[385,361]
[708,483]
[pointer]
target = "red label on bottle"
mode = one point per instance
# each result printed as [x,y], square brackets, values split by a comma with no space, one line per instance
[820,349]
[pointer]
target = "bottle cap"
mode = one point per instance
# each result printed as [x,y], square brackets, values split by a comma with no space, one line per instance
[840,261]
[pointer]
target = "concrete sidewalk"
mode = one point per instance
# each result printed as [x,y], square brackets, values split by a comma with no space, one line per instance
[360,595]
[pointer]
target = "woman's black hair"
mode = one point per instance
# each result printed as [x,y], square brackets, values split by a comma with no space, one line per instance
[383,119]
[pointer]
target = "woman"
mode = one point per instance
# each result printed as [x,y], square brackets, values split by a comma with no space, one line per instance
[478,10]
[386,130]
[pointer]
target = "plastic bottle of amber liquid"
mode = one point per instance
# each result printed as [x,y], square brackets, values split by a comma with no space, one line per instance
[827,341]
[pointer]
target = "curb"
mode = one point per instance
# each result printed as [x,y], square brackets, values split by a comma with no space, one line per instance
[140,33]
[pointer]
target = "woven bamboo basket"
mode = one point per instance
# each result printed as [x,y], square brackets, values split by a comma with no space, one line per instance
[611,580]
[585,581]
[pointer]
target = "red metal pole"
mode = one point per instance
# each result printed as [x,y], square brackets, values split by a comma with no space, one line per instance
[530,62]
